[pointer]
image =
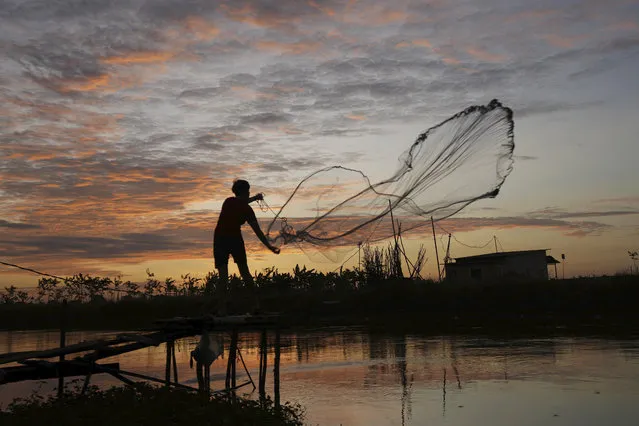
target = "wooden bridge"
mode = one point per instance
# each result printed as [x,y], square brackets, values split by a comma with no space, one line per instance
[53,363]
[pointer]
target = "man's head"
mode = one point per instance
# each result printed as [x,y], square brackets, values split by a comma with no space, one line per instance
[241,188]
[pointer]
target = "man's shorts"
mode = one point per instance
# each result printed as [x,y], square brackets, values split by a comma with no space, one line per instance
[225,246]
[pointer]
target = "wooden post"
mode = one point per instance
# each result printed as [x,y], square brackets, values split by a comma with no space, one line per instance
[227,381]
[396,239]
[260,373]
[276,370]
[390,207]
[231,365]
[207,379]
[85,386]
[167,371]
[248,373]
[234,355]
[263,364]
[175,370]
[63,341]
[439,272]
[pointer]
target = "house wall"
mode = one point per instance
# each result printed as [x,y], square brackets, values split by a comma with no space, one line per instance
[519,267]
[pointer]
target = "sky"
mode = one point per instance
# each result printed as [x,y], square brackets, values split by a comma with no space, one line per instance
[124,123]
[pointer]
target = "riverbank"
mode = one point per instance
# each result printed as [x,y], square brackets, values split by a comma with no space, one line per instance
[147,405]
[585,304]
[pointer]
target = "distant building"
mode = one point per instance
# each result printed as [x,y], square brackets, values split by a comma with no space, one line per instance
[512,266]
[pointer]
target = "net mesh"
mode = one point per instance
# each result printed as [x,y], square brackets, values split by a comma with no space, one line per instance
[449,166]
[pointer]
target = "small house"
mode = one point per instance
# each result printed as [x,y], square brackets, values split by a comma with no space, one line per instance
[512,266]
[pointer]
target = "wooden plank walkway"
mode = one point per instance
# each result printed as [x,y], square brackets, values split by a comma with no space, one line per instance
[33,364]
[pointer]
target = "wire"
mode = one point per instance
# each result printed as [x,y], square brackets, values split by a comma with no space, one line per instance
[349,258]
[464,244]
[44,274]
[33,270]
[500,246]
[265,207]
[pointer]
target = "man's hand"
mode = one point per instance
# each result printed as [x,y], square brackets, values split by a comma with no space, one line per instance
[258,197]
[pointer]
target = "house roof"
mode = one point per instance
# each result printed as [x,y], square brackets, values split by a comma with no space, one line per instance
[551,260]
[496,256]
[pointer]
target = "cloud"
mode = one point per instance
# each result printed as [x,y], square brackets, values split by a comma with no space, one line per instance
[14,225]
[568,228]
[484,55]
[116,116]
[621,200]
[563,214]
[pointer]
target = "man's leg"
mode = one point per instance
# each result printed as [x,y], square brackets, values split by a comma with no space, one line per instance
[250,285]
[223,271]
[246,274]
[221,255]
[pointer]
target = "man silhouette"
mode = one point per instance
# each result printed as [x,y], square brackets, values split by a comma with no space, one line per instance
[227,238]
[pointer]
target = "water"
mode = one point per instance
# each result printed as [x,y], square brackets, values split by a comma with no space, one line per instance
[350,377]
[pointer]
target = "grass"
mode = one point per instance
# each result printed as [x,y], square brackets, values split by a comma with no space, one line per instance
[147,405]
[350,299]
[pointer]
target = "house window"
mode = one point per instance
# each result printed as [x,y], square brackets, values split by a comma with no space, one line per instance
[475,273]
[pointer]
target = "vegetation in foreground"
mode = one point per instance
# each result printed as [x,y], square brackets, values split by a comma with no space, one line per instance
[147,405]
[377,294]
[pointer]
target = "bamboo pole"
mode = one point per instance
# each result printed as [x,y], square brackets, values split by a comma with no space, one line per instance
[167,370]
[276,370]
[63,341]
[439,272]
[264,362]
[175,370]
[234,365]
[245,368]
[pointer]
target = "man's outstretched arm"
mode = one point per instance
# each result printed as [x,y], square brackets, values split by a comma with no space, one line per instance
[258,197]
[262,237]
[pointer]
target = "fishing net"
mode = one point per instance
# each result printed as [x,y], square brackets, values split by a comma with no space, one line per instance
[449,166]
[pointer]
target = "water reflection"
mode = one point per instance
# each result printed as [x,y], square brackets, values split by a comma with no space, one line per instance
[349,376]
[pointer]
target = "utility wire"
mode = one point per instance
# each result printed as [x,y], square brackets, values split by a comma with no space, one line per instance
[464,244]
[44,274]
[349,258]
[33,270]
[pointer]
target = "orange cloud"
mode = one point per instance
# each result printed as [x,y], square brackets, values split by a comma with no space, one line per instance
[447,58]
[374,15]
[42,156]
[138,58]
[248,15]
[103,83]
[532,14]
[356,117]
[484,55]
[327,11]
[562,41]
[289,130]
[395,16]
[248,93]
[202,29]
[288,89]
[422,42]
[418,42]
[289,48]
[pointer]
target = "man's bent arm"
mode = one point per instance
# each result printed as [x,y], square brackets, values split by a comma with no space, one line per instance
[262,237]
